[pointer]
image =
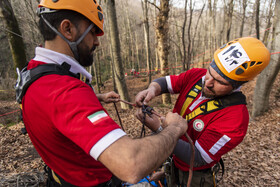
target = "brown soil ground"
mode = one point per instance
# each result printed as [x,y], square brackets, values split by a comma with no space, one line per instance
[254,163]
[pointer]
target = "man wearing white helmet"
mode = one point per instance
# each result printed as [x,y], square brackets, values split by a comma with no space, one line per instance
[72,132]
[211,100]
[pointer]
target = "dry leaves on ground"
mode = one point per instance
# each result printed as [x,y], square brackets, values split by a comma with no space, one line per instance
[253,163]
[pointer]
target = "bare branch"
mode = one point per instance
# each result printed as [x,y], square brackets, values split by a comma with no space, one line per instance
[154,5]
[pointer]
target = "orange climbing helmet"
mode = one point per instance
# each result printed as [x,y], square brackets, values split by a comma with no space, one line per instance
[241,60]
[89,8]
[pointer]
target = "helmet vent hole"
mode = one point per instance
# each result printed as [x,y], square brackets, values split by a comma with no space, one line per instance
[252,63]
[94,1]
[245,65]
[100,16]
[259,63]
[55,1]
[99,8]
[239,71]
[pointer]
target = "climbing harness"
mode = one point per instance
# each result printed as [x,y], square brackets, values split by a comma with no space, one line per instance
[215,169]
[212,105]
[27,77]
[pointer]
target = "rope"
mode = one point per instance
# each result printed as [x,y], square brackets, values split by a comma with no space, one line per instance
[10,113]
[2,28]
[31,179]
[149,110]
[118,116]
[11,32]
[191,161]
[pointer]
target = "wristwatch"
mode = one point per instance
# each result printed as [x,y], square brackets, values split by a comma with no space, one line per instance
[159,129]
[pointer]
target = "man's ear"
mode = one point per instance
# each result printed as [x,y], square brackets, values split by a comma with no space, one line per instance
[68,29]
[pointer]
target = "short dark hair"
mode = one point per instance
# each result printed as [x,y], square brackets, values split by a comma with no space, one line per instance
[55,19]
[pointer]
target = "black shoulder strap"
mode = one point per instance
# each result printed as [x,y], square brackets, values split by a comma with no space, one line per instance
[27,77]
[235,98]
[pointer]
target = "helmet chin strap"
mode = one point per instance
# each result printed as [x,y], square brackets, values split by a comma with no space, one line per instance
[73,45]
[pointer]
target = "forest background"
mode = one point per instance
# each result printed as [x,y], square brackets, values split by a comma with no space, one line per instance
[156,38]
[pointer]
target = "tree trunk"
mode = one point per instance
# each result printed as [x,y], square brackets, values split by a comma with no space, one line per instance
[96,76]
[268,25]
[212,25]
[178,43]
[267,77]
[157,63]
[244,6]
[258,19]
[162,36]
[130,39]
[230,14]
[112,69]
[194,50]
[189,38]
[183,36]
[228,6]
[137,53]
[147,39]
[119,71]
[14,36]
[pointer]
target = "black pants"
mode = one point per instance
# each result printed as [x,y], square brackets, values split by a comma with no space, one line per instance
[60,182]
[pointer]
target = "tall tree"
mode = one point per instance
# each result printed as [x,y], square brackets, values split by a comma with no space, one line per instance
[194,50]
[212,25]
[269,23]
[162,37]
[147,38]
[14,35]
[131,38]
[228,6]
[157,64]
[96,75]
[137,53]
[258,18]
[267,77]
[118,68]
[189,37]
[183,36]
[244,6]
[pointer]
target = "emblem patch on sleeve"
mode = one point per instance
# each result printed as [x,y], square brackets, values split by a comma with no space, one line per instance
[198,125]
[98,117]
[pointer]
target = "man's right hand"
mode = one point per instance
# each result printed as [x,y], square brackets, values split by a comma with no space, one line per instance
[146,153]
[174,119]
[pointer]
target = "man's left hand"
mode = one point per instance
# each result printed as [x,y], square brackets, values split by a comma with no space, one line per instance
[109,97]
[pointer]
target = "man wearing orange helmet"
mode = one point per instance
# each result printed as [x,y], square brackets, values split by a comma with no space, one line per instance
[65,121]
[211,100]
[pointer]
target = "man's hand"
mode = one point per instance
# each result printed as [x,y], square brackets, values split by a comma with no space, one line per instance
[152,121]
[108,97]
[143,97]
[174,119]
[171,119]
